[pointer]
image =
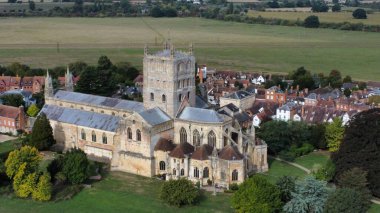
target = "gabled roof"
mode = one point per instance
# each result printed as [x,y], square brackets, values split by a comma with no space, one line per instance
[202,152]
[9,111]
[81,118]
[99,101]
[241,94]
[164,145]
[155,116]
[230,153]
[181,150]
[201,115]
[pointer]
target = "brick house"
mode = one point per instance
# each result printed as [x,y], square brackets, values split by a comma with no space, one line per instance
[12,119]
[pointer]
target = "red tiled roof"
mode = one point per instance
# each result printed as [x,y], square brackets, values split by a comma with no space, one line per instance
[230,153]
[9,111]
[181,150]
[164,145]
[202,152]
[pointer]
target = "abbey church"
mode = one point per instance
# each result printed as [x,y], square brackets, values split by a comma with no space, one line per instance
[165,135]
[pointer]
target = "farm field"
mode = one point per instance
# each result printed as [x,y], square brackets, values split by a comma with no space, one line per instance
[49,42]
[373,18]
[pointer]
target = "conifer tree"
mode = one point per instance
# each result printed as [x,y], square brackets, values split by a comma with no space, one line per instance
[42,133]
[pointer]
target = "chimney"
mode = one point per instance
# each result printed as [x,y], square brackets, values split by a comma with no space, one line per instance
[200,74]
[302,111]
[298,87]
[307,90]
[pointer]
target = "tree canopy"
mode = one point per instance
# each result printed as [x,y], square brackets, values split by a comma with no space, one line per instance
[361,147]
[334,134]
[32,110]
[42,133]
[75,166]
[310,195]
[345,200]
[256,194]
[15,100]
[311,22]
[359,14]
[179,192]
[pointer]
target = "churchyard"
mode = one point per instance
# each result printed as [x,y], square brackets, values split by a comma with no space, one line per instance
[223,45]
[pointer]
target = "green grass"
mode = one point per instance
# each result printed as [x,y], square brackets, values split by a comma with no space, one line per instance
[118,192]
[373,19]
[313,160]
[223,45]
[8,146]
[375,208]
[278,169]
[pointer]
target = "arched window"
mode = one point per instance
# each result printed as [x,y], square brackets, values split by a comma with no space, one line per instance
[180,97]
[211,138]
[182,172]
[196,172]
[163,98]
[205,172]
[151,96]
[93,136]
[162,165]
[129,133]
[182,135]
[83,134]
[196,138]
[174,172]
[188,95]
[225,139]
[104,138]
[138,135]
[235,175]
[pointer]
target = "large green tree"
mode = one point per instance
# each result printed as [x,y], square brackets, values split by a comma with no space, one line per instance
[256,194]
[334,134]
[310,196]
[355,178]
[32,110]
[287,185]
[302,78]
[361,147]
[179,192]
[75,166]
[346,200]
[42,133]
[15,100]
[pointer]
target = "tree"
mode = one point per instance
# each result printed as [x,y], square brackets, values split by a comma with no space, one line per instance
[346,200]
[75,166]
[32,5]
[156,12]
[325,173]
[336,7]
[32,110]
[15,100]
[286,184]
[355,178]
[179,192]
[311,22]
[302,78]
[347,92]
[347,79]
[126,5]
[360,148]
[28,155]
[310,196]
[42,133]
[359,14]
[256,194]
[88,81]
[78,6]
[44,188]
[77,67]
[104,63]
[334,134]
[319,6]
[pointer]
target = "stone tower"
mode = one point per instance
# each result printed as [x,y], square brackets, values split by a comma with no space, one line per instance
[49,90]
[69,85]
[169,77]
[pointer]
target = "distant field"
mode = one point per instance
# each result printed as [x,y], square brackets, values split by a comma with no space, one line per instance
[373,19]
[224,45]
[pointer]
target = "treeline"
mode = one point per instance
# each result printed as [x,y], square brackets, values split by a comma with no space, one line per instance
[243,18]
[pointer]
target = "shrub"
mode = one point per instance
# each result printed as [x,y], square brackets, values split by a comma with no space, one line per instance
[359,14]
[234,187]
[311,22]
[179,192]
[42,134]
[75,166]
[346,200]
[209,182]
[288,156]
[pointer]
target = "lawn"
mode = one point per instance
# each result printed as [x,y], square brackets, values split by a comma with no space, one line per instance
[313,160]
[8,146]
[373,18]
[375,208]
[118,192]
[278,169]
[47,42]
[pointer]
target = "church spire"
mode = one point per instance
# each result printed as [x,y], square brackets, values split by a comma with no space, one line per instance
[69,85]
[49,90]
